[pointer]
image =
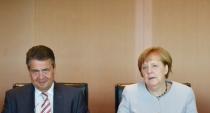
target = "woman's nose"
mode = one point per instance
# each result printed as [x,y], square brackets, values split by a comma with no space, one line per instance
[149,69]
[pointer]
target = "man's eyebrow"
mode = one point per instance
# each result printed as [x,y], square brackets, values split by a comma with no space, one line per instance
[44,69]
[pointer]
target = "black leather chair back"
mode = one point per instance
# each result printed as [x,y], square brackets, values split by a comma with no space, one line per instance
[118,93]
[82,86]
[119,89]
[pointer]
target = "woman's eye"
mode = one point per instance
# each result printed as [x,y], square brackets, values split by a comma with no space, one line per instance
[154,65]
[144,67]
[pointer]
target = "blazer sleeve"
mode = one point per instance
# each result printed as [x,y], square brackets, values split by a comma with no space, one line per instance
[124,104]
[191,103]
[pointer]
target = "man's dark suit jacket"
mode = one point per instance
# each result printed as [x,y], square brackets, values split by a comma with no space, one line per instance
[66,100]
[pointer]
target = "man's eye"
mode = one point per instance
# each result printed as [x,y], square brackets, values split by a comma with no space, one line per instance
[45,70]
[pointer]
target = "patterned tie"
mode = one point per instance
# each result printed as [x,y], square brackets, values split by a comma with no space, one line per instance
[45,107]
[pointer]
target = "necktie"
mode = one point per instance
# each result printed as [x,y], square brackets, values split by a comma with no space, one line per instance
[45,107]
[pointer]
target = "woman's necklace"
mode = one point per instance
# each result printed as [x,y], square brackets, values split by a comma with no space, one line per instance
[164,91]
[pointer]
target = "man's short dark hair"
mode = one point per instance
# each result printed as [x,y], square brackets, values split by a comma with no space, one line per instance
[40,52]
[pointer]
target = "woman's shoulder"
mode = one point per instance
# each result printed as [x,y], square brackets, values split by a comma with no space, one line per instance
[184,92]
[135,86]
[181,87]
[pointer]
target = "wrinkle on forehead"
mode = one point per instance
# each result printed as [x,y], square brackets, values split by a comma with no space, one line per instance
[153,56]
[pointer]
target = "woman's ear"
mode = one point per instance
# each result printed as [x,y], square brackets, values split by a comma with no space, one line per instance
[166,69]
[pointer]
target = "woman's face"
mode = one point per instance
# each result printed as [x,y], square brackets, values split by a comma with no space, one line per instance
[154,70]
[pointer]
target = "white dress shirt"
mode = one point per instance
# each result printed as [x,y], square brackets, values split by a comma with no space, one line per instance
[39,99]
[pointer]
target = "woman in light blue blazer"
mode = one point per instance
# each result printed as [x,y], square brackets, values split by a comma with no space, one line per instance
[155,93]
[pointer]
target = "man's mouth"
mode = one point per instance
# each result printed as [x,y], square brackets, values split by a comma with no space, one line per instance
[42,82]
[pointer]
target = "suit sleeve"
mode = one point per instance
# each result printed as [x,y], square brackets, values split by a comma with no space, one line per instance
[9,106]
[80,105]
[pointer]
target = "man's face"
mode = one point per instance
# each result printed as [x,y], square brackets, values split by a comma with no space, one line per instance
[42,74]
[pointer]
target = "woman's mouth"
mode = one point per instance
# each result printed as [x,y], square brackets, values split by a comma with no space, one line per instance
[150,78]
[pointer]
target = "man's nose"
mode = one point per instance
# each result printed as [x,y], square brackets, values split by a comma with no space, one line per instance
[41,74]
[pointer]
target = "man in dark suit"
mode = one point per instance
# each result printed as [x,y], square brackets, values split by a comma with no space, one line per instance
[44,95]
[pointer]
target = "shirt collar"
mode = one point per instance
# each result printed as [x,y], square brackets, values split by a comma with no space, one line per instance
[49,91]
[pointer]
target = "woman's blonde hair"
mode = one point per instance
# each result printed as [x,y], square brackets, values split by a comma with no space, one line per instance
[165,58]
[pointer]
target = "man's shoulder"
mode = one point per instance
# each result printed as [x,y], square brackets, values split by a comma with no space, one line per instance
[66,88]
[67,91]
[26,89]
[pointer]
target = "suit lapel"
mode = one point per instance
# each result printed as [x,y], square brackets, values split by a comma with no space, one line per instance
[31,103]
[58,100]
